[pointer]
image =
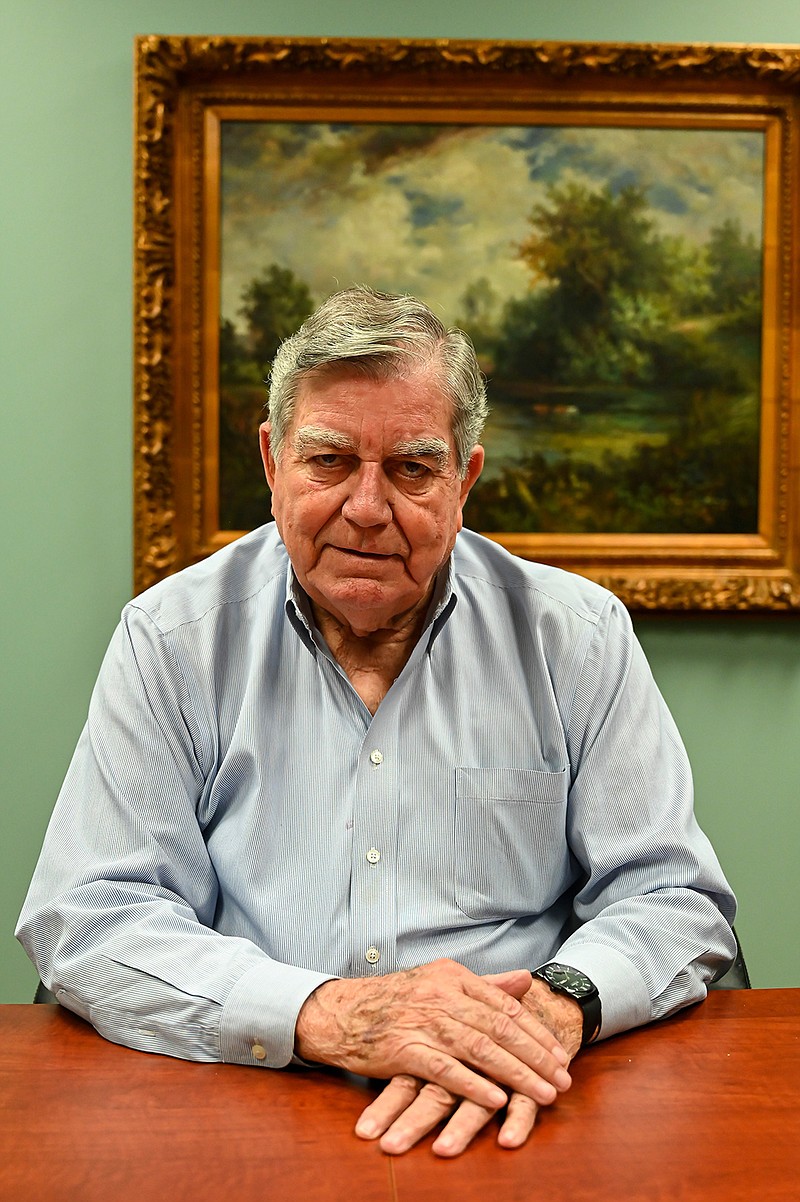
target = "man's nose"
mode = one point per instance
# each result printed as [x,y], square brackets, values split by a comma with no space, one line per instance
[367,502]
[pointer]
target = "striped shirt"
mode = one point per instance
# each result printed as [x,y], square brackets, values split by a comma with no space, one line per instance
[236,827]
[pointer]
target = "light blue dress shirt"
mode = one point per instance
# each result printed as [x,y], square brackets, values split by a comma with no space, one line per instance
[236,827]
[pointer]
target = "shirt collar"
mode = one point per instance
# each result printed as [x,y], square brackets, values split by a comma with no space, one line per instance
[443,602]
[298,609]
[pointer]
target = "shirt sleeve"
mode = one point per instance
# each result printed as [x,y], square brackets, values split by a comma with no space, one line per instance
[119,917]
[654,910]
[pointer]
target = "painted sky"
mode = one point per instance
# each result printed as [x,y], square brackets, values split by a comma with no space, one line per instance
[429,209]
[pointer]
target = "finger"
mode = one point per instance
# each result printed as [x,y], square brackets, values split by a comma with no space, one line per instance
[516,982]
[500,1002]
[512,1051]
[543,1035]
[440,1068]
[519,1121]
[390,1102]
[510,983]
[526,1067]
[497,990]
[462,1128]
[429,1107]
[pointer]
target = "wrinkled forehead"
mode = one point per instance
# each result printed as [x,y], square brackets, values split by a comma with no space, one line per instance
[403,365]
[421,381]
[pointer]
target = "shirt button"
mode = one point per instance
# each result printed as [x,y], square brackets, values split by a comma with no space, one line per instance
[373,855]
[259,1051]
[376,757]
[372,955]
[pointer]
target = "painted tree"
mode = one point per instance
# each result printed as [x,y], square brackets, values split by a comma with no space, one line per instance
[602,291]
[274,305]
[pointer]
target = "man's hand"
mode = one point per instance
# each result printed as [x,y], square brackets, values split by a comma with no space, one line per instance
[408,1108]
[442,1024]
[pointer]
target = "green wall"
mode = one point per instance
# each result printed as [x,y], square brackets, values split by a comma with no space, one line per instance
[65,480]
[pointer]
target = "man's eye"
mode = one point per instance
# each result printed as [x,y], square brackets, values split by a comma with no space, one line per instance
[331,460]
[413,470]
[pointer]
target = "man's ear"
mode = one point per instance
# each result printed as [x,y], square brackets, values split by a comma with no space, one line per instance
[474,469]
[267,458]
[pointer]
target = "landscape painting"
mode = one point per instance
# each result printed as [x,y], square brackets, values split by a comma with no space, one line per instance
[609,275]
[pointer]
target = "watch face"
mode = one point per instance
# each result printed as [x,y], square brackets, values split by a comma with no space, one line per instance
[575,983]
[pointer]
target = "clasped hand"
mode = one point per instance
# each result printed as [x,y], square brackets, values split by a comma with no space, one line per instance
[449,1040]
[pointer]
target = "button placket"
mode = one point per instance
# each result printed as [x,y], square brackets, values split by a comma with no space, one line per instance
[372,902]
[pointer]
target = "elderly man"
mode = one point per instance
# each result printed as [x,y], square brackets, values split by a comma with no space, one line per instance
[346,784]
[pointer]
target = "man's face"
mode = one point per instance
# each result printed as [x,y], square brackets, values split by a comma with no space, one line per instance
[367,495]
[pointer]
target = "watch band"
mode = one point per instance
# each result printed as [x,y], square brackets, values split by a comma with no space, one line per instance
[572,983]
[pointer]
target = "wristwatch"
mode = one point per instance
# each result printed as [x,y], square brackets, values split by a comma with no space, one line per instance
[576,985]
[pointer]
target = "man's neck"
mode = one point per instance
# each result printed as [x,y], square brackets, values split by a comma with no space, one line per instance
[372,660]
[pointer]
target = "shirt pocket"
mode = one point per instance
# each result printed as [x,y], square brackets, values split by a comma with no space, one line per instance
[511,857]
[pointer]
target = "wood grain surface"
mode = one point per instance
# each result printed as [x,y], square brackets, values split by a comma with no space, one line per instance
[703,1106]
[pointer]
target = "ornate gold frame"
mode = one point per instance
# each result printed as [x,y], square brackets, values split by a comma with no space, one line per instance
[182,87]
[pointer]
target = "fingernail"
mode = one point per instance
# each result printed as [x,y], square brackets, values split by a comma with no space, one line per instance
[562,1079]
[366,1129]
[497,1098]
[561,1055]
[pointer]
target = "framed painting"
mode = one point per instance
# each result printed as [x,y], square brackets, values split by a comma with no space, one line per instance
[617,227]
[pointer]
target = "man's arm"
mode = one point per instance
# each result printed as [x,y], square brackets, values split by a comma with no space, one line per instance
[653,912]
[120,914]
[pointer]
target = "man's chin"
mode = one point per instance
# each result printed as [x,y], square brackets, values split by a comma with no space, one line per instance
[339,565]
[365,603]
[368,590]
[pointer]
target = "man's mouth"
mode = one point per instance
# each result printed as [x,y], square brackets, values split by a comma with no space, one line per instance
[374,555]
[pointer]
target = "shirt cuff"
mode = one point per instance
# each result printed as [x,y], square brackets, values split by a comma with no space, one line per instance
[259,1015]
[624,996]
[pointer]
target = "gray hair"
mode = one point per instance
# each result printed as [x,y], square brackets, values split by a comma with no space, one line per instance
[381,336]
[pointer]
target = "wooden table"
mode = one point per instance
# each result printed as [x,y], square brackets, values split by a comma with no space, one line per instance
[704,1106]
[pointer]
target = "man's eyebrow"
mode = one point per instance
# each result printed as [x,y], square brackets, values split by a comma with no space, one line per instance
[423,448]
[311,437]
[308,437]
